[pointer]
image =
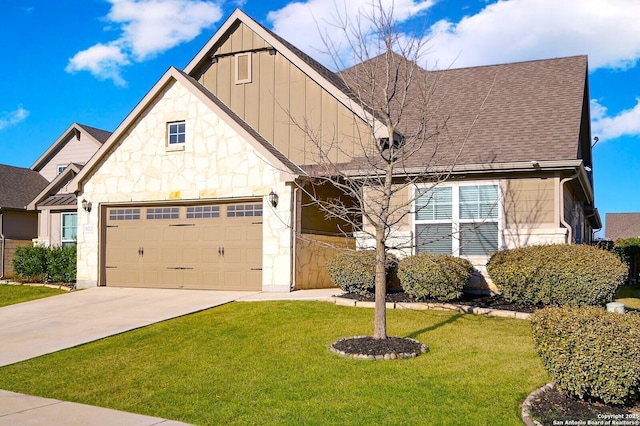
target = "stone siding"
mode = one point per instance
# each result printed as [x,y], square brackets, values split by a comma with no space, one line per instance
[214,163]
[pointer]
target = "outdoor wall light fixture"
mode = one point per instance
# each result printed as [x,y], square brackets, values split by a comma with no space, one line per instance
[273,199]
[86,205]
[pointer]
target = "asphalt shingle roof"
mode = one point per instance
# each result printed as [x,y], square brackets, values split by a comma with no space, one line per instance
[99,134]
[494,114]
[18,186]
[622,225]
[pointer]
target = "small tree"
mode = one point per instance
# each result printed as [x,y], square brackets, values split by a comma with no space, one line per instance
[398,106]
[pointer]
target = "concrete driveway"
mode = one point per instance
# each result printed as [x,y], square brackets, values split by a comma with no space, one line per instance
[48,325]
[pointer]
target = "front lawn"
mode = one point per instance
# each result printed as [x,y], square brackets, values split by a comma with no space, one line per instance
[269,363]
[11,294]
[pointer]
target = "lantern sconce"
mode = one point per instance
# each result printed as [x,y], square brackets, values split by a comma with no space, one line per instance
[273,199]
[86,205]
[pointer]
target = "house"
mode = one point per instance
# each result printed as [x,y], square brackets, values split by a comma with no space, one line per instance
[17,224]
[204,184]
[56,205]
[35,205]
[622,225]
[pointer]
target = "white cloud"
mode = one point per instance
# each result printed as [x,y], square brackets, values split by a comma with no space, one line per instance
[303,22]
[626,123]
[513,30]
[148,28]
[103,61]
[503,31]
[12,118]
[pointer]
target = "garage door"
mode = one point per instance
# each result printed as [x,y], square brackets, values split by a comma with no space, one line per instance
[216,246]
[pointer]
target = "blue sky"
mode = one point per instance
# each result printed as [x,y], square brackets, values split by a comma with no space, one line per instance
[92,61]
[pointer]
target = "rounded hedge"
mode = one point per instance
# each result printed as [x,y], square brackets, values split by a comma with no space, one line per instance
[589,352]
[556,275]
[355,271]
[434,276]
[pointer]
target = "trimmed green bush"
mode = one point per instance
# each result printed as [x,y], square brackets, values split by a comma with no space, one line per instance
[61,264]
[589,352]
[434,276]
[30,264]
[45,264]
[556,275]
[355,271]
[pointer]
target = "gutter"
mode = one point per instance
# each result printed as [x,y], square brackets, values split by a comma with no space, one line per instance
[519,166]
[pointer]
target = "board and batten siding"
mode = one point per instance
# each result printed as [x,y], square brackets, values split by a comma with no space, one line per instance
[281,102]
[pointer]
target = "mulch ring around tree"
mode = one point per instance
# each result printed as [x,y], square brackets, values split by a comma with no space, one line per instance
[367,347]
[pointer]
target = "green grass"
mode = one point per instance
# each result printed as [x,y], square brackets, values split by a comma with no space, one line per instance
[269,363]
[630,296]
[11,294]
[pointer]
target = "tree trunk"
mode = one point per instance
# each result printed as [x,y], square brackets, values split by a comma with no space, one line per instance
[380,321]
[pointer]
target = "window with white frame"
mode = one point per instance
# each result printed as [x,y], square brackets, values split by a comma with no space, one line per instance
[61,168]
[462,219]
[69,228]
[176,133]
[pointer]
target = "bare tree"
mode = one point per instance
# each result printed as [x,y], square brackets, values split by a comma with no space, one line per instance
[403,138]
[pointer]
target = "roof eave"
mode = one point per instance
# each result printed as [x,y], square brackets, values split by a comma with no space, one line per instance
[59,143]
[71,168]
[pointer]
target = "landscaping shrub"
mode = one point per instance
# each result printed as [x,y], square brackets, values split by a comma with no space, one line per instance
[354,271]
[30,263]
[61,264]
[42,264]
[555,275]
[589,352]
[434,276]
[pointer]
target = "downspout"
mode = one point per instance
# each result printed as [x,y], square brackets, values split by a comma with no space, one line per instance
[564,222]
[295,192]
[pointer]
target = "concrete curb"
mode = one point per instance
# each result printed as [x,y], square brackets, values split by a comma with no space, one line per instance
[341,301]
[526,405]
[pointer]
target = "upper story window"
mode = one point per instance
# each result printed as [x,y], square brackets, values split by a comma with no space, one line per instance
[243,68]
[457,219]
[176,133]
[61,168]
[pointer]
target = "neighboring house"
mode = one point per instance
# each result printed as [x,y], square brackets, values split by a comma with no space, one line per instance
[199,187]
[56,205]
[18,225]
[622,225]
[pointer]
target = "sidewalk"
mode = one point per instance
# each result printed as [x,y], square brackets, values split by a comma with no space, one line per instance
[20,410]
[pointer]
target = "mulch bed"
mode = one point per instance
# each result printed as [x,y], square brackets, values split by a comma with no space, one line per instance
[553,407]
[479,300]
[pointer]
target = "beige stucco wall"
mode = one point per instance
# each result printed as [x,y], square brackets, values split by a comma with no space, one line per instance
[216,163]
